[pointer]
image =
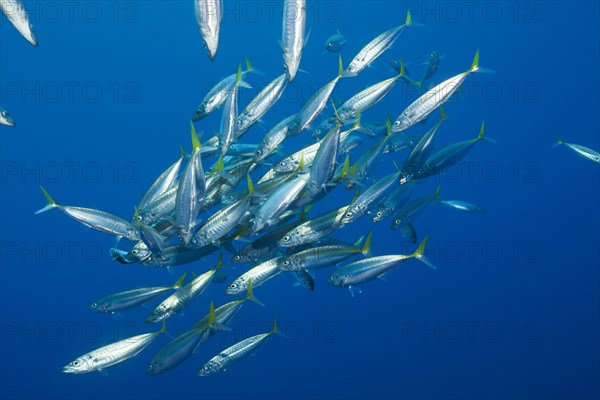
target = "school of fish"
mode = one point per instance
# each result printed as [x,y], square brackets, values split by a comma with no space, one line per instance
[225,191]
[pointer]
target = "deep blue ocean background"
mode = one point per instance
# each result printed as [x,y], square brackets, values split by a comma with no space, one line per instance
[512,310]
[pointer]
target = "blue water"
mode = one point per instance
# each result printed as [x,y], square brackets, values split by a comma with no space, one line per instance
[103,104]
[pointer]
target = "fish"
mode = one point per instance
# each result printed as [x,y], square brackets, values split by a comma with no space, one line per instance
[95,219]
[183,346]
[323,256]
[178,255]
[217,95]
[167,180]
[293,31]
[223,221]
[6,119]
[367,98]
[305,280]
[448,156]
[433,64]
[17,15]
[325,162]
[362,271]
[580,150]
[208,16]
[262,103]
[406,214]
[112,354]
[335,43]
[132,298]
[314,229]
[420,152]
[230,113]
[372,195]
[395,199]
[263,246]
[360,169]
[376,47]
[313,107]
[277,203]
[185,295]
[153,240]
[257,275]
[190,192]
[235,353]
[433,98]
[273,139]
[463,206]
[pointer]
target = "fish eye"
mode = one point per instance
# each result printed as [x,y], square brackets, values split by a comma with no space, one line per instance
[180,238]
[94,305]
[258,152]
[286,238]
[348,215]
[233,285]
[237,258]
[285,68]
[286,262]
[134,252]
[397,123]
[379,213]
[397,222]
[139,218]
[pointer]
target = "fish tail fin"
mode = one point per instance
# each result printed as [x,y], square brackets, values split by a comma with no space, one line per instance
[559,141]
[357,122]
[475,63]
[238,76]
[179,282]
[408,20]
[366,247]
[388,126]
[220,165]
[436,194]
[163,329]
[219,260]
[302,163]
[482,134]
[340,67]
[419,254]
[51,202]
[443,115]
[346,167]
[249,66]
[397,167]
[250,294]
[195,140]
[305,212]
[337,116]
[250,185]
[275,329]
[182,151]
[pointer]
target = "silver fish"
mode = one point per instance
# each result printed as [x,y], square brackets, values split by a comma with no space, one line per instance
[5,118]
[96,219]
[292,41]
[375,48]
[208,16]
[111,354]
[235,353]
[580,150]
[432,99]
[262,103]
[362,271]
[132,298]
[16,14]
